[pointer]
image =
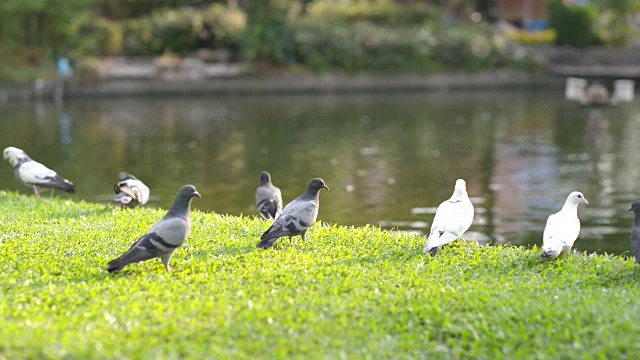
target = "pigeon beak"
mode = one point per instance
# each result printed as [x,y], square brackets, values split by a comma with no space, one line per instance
[197,194]
[630,209]
[586,202]
[325,186]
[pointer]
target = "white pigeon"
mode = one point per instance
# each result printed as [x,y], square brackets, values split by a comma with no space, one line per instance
[130,189]
[563,227]
[453,218]
[33,174]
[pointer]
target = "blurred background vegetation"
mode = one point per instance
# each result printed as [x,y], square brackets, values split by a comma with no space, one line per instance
[347,35]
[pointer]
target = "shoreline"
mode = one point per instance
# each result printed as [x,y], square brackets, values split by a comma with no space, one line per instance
[287,84]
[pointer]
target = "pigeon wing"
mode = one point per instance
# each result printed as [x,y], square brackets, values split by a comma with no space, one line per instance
[266,202]
[453,218]
[135,189]
[34,173]
[162,239]
[560,231]
[295,219]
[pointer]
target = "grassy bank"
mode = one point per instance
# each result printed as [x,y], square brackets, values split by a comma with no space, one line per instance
[354,293]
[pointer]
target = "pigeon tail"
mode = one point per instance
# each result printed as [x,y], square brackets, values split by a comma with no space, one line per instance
[115,266]
[61,183]
[432,251]
[268,208]
[552,253]
[435,241]
[266,243]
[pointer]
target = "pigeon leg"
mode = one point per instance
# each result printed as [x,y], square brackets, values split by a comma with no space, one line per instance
[35,189]
[165,260]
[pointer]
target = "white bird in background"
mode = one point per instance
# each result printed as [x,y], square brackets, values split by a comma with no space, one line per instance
[563,227]
[453,218]
[33,174]
[129,189]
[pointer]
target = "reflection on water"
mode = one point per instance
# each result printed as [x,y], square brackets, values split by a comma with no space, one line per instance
[389,159]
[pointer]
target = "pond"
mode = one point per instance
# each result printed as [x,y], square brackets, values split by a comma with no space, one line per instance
[389,159]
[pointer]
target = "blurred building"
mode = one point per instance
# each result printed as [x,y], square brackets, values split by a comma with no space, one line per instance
[527,14]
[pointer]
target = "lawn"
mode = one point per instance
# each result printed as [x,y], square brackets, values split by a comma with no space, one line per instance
[345,293]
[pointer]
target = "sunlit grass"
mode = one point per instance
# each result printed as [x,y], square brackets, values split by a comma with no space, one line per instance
[346,292]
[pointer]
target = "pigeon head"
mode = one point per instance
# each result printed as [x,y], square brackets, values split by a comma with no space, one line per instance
[14,155]
[182,204]
[460,189]
[126,176]
[635,207]
[315,185]
[576,198]
[265,178]
[188,192]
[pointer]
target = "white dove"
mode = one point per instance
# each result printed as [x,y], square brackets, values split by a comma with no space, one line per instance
[563,227]
[130,189]
[453,218]
[33,174]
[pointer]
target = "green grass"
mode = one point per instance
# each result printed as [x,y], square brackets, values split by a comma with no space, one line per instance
[345,293]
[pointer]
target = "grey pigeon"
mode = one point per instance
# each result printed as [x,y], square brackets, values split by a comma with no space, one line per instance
[563,227]
[297,217]
[268,198]
[164,237]
[130,189]
[635,234]
[33,174]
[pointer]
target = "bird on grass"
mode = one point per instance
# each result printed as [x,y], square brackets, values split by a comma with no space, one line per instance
[33,174]
[130,189]
[563,227]
[453,218]
[297,217]
[635,233]
[268,198]
[164,237]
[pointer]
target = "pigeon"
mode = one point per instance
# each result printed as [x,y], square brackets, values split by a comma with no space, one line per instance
[268,198]
[563,227]
[129,189]
[164,237]
[635,234]
[33,174]
[453,218]
[297,217]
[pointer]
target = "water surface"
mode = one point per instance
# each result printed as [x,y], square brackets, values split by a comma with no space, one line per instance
[389,159]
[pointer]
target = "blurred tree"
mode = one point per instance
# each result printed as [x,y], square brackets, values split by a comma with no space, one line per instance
[620,6]
[39,23]
[265,35]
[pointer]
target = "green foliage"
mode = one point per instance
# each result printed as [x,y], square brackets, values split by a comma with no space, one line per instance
[574,25]
[19,64]
[266,34]
[387,12]
[184,30]
[89,35]
[365,45]
[39,22]
[619,6]
[345,292]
